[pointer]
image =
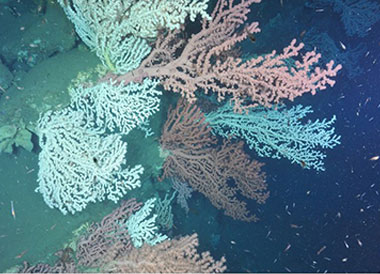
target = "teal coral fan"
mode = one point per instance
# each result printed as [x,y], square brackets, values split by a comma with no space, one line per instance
[278,133]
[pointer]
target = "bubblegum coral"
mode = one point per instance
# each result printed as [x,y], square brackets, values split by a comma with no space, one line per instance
[171,256]
[202,63]
[108,239]
[191,156]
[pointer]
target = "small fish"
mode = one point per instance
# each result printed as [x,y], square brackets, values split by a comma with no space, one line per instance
[233,242]
[342,45]
[319,10]
[321,249]
[374,158]
[269,232]
[346,244]
[13,211]
[287,247]
[19,256]
[359,242]
[345,259]
[341,97]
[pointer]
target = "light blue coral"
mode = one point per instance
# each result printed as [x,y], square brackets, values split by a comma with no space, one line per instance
[278,133]
[116,106]
[119,31]
[143,228]
[79,165]
[163,209]
[101,27]
[80,162]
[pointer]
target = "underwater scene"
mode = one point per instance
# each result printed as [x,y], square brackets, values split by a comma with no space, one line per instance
[189,136]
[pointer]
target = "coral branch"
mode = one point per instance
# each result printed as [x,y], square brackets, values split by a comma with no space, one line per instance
[193,157]
[174,256]
[184,66]
[107,237]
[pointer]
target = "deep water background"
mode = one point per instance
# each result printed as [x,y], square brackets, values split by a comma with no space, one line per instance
[338,209]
